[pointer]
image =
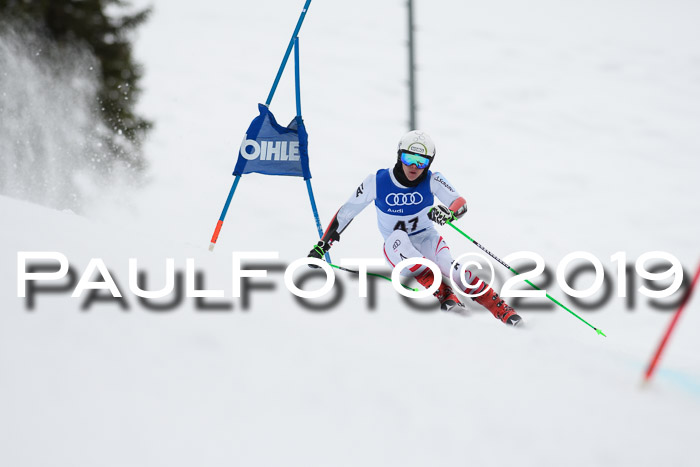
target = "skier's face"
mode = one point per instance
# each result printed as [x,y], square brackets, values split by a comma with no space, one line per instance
[412,172]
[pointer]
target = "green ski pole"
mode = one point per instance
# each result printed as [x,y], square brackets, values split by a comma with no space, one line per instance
[371,274]
[352,271]
[600,332]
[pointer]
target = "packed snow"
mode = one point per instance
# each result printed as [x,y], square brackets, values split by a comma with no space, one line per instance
[567,127]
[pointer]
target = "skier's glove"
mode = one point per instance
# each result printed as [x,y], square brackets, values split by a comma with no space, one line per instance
[440,214]
[318,251]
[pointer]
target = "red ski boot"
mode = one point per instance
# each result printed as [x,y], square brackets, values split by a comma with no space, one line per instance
[448,300]
[498,307]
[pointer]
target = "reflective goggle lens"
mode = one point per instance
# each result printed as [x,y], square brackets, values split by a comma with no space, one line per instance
[414,159]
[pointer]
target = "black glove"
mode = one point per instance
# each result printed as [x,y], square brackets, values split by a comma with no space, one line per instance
[318,251]
[440,214]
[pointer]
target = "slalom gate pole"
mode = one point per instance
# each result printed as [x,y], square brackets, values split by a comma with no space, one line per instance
[220,223]
[297,80]
[297,86]
[286,54]
[214,237]
[352,271]
[600,332]
[315,211]
[667,334]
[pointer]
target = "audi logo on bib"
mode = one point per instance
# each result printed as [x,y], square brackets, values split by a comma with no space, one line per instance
[403,199]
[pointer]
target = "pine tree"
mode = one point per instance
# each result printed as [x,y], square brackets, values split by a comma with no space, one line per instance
[86,22]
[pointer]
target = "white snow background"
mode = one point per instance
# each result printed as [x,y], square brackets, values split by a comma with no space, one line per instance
[566,125]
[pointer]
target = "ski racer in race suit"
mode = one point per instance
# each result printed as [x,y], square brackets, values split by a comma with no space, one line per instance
[404,198]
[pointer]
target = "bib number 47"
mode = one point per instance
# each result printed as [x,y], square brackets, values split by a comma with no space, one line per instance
[401,225]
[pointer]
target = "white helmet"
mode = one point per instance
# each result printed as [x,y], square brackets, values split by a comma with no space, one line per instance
[417,142]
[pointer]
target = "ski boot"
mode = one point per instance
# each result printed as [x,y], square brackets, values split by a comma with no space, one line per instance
[498,307]
[448,300]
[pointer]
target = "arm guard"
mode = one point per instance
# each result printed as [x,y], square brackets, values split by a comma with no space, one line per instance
[332,234]
[459,207]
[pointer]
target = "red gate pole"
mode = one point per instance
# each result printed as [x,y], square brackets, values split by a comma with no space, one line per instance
[662,344]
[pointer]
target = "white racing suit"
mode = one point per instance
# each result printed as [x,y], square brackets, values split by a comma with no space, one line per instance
[402,217]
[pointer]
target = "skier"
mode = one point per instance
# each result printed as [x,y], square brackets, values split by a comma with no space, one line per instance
[404,198]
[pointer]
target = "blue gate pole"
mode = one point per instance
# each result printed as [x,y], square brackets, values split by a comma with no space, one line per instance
[297,86]
[313,208]
[215,236]
[286,54]
[223,213]
[297,82]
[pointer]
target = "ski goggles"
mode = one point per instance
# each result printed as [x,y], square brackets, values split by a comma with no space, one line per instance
[419,161]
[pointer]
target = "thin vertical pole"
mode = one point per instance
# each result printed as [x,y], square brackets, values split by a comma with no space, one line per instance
[297,82]
[411,69]
[297,86]
[313,208]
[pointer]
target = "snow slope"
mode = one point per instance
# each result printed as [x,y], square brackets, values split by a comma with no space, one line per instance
[348,386]
[567,127]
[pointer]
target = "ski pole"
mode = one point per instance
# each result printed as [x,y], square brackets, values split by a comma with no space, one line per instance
[600,332]
[371,274]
